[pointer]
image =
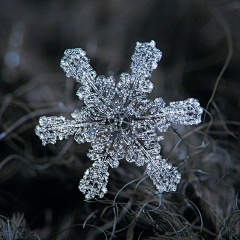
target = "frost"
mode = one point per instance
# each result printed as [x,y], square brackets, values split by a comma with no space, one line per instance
[119,120]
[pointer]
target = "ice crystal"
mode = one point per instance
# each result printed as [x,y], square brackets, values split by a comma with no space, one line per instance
[119,120]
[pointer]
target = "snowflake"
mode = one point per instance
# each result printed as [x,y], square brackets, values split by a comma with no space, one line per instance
[119,120]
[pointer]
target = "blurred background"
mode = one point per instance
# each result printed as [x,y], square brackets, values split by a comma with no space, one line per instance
[200,41]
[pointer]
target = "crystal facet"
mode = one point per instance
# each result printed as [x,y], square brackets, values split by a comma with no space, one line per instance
[119,120]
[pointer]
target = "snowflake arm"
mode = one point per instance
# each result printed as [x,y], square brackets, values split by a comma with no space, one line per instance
[95,178]
[164,176]
[51,129]
[97,92]
[187,112]
[94,181]
[76,64]
[144,61]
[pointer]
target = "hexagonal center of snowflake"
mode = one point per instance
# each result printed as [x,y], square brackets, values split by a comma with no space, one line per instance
[119,121]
